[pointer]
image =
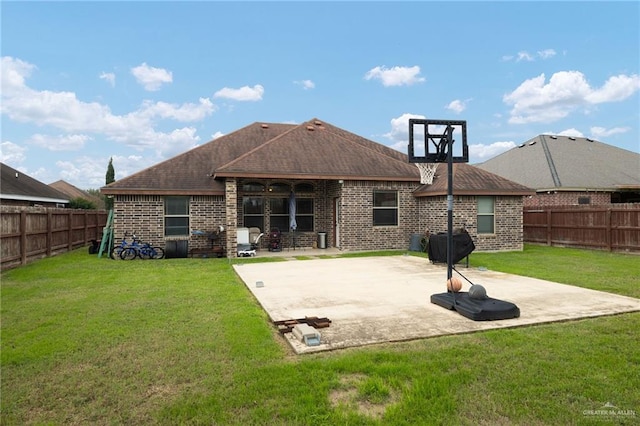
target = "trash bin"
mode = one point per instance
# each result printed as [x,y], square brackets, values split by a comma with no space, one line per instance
[176,249]
[414,243]
[322,240]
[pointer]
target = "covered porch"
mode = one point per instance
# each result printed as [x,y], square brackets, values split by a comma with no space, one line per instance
[272,206]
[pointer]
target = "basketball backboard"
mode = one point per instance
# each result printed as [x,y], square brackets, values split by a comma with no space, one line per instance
[429,141]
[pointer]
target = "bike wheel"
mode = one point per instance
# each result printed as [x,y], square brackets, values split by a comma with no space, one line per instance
[128,254]
[115,253]
[145,253]
[157,253]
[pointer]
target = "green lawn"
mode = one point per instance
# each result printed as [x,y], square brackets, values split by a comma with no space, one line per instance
[182,341]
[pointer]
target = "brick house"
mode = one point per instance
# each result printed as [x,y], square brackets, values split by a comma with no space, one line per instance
[363,195]
[567,170]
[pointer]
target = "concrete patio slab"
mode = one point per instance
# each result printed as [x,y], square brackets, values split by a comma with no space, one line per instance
[385,299]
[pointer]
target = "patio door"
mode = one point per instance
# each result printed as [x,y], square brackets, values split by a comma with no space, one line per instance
[336,221]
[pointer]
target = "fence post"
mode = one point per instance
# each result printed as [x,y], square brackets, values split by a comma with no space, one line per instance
[549,228]
[49,232]
[608,233]
[70,233]
[23,237]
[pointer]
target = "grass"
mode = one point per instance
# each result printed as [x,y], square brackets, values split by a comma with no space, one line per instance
[182,341]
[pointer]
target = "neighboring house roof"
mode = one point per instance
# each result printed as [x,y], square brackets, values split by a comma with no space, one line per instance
[73,192]
[470,180]
[15,185]
[311,150]
[563,163]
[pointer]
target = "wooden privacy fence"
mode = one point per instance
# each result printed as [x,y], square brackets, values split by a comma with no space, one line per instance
[610,227]
[27,234]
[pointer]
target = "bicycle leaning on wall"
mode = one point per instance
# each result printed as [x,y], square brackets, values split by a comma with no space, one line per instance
[141,250]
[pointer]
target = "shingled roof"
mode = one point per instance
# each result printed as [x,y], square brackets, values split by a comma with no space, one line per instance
[16,185]
[564,163]
[311,150]
[72,192]
[470,180]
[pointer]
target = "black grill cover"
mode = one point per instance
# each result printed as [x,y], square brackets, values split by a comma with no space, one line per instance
[462,247]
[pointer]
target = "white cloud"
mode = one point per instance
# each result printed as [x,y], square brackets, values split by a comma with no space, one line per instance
[217,135]
[245,93]
[535,100]
[616,88]
[457,105]
[481,152]
[91,171]
[14,72]
[109,77]
[571,132]
[64,111]
[396,76]
[12,154]
[600,132]
[524,56]
[400,130]
[306,84]
[547,53]
[187,112]
[60,142]
[151,78]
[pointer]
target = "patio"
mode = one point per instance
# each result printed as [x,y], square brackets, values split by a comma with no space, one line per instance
[373,300]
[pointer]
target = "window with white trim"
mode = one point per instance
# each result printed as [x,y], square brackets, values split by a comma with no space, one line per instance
[176,216]
[385,208]
[486,215]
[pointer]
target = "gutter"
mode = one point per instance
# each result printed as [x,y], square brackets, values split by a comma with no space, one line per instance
[32,198]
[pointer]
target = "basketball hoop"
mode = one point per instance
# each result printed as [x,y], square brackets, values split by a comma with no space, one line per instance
[427,172]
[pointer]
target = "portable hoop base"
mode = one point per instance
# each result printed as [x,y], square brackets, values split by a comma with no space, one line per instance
[488,309]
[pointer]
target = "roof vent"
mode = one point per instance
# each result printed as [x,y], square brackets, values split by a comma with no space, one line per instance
[589,140]
[532,143]
[310,128]
[521,145]
[318,123]
[572,138]
[553,137]
[264,126]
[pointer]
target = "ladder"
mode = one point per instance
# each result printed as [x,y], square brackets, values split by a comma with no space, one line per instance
[107,236]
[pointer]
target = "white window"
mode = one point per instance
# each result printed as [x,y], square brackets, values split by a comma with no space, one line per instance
[385,208]
[176,216]
[486,215]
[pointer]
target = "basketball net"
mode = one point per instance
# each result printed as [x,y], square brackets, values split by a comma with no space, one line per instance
[427,171]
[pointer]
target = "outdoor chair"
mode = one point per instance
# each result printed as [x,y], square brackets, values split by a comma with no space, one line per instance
[254,238]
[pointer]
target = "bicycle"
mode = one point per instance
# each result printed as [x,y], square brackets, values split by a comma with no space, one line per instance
[117,250]
[141,250]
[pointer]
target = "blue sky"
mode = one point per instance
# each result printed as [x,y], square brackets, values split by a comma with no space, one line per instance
[142,82]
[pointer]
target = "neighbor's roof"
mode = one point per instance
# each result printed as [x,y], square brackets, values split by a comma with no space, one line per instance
[549,162]
[470,180]
[311,150]
[72,192]
[15,185]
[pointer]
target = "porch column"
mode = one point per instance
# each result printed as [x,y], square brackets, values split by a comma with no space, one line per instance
[231,211]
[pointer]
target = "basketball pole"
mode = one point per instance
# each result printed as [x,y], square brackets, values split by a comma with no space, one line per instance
[449,142]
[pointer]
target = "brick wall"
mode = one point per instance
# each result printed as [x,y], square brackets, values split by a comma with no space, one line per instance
[566,198]
[144,215]
[356,226]
[508,220]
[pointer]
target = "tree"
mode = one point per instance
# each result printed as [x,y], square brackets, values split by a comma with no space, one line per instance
[81,203]
[110,177]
